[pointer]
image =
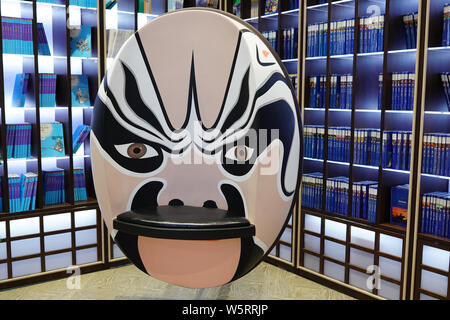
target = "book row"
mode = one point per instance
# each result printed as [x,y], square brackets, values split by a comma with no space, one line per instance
[18,139]
[290,43]
[436,154]
[435,215]
[396,147]
[364,200]
[371,36]
[17,36]
[410,22]
[402,90]
[445,79]
[22,189]
[47,90]
[341,91]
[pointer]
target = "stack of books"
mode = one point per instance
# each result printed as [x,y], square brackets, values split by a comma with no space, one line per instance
[317,40]
[317,91]
[80,91]
[445,78]
[399,204]
[22,191]
[367,147]
[80,42]
[436,154]
[396,149]
[289,45]
[410,22]
[371,34]
[402,90]
[84,3]
[271,6]
[339,139]
[17,36]
[20,90]
[364,198]
[145,6]
[79,190]
[435,218]
[313,138]
[342,36]
[341,91]
[54,191]
[337,195]
[271,36]
[18,140]
[115,40]
[52,140]
[47,90]
[446,31]
[80,134]
[312,190]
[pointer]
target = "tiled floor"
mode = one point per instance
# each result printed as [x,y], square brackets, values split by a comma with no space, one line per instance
[264,282]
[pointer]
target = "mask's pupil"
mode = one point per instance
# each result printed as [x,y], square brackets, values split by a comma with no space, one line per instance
[241,153]
[136,150]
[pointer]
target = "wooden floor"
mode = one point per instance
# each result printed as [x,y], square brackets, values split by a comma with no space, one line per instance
[264,282]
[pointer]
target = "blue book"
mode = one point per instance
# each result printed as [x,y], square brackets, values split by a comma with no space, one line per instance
[52,140]
[20,90]
[349,92]
[446,32]
[372,203]
[80,42]
[399,204]
[79,136]
[80,91]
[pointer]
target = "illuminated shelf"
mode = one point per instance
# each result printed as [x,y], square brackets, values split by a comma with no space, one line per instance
[252,19]
[435,176]
[289,60]
[316,58]
[439,49]
[438,112]
[396,170]
[402,51]
[317,6]
[291,12]
[270,16]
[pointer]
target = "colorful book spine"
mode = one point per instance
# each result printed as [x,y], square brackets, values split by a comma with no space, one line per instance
[54,188]
[79,185]
[436,154]
[399,204]
[312,190]
[435,214]
[446,28]
[79,136]
[371,34]
[18,140]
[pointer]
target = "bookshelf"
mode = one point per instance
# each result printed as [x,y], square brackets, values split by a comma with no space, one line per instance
[41,243]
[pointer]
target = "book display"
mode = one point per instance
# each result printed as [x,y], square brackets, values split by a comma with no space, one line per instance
[375,170]
[48,78]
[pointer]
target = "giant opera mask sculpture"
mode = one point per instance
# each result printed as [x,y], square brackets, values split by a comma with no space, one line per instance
[196,147]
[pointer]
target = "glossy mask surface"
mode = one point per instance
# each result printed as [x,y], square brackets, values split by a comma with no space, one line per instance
[197,111]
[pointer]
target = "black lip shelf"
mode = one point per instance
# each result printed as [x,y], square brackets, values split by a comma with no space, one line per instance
[184,223]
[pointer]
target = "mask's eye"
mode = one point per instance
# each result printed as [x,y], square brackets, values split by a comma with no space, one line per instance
[239,153]
[136,150]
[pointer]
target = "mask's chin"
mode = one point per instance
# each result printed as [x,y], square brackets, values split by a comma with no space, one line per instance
[193,247]
[190,263]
